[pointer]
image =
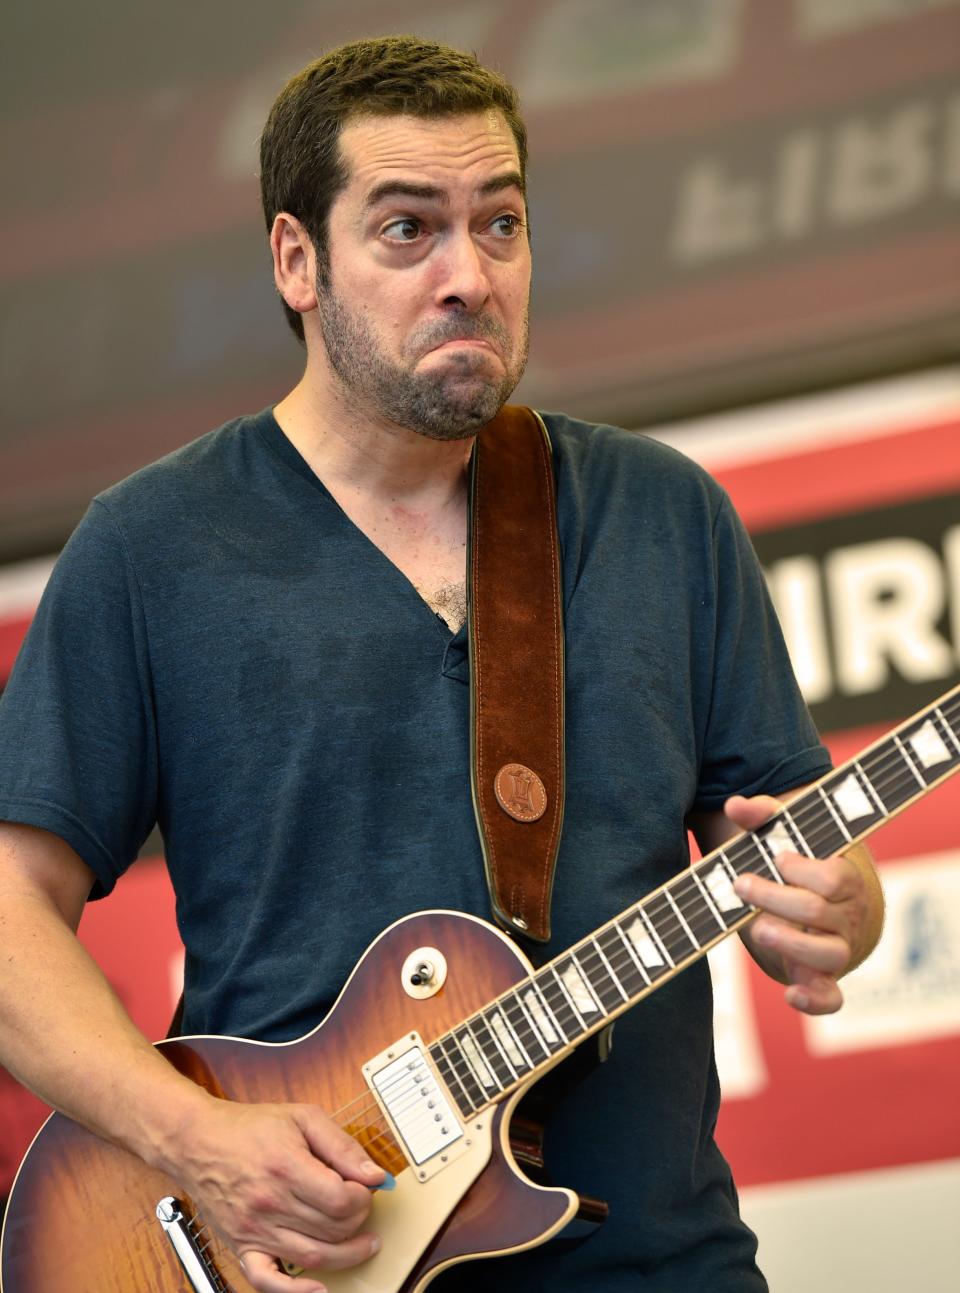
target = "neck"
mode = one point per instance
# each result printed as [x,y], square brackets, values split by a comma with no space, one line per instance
[369,457]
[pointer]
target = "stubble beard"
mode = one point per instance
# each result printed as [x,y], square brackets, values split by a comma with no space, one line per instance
[451,404]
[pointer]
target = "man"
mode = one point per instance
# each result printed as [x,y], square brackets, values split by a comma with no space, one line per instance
[258,643]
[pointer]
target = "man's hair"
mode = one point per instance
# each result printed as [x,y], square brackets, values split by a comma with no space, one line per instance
[301,167]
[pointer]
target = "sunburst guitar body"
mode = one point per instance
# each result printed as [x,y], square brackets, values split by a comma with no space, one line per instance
[83,1215]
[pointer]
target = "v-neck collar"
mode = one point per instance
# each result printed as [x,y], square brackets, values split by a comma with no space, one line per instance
[455,662]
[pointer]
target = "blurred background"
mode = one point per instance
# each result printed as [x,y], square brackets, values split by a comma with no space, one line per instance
[746,242]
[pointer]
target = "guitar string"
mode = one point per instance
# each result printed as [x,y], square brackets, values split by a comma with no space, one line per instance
[588,954]
[746,851]
[891,772]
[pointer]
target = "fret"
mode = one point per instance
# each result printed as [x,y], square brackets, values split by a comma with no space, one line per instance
[679,914]
[893,778]
[909,762]
[718,877]
[768,845]
[473,1092]
[594,974]
[773,840]
[540,1013]
[670,931]
[818,824]
[601,980]
[748,851]
[651,956]
[800,843]
[578,1021]
[476,1061]
[503,1030]
[870,788]
[492,1051]
[525,1029]
[608,966]
[949,728]
[654,933]
[696,913]
[715,911]
[834,814]
[549,988]
[621,959]
[728,864]
[931,750]
[638,964]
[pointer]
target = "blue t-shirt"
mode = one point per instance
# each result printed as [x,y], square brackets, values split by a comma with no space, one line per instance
[222,652]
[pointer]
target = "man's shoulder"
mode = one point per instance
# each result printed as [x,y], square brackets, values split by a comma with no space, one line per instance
[180,478]
[600,455]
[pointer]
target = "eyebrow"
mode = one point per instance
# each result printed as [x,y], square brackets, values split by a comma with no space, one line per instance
[433,193]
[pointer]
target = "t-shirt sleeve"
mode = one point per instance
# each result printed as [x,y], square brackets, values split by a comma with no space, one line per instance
[759,737]
[78,753]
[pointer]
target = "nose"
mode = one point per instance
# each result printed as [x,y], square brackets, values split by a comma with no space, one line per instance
[464,282]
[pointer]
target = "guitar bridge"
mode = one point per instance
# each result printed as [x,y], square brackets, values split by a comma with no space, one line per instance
[184,1239]
[416,1104]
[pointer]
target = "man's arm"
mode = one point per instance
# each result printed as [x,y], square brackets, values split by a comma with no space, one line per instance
[276,1180]
[816,927]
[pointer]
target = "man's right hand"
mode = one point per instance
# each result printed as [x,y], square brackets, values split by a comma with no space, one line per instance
[278,1181]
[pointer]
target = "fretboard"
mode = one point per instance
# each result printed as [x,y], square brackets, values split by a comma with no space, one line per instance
[488,1055]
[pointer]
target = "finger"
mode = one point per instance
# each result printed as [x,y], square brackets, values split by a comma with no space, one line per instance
[826,953]
[834,878]
[265,1275]
[788,901]
[313,1255]
[814,994]
[334,1146]
[750,813]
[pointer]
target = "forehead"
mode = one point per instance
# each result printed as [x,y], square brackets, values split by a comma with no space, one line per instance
[453,152]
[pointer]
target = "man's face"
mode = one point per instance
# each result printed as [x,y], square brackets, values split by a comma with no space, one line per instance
[424,311]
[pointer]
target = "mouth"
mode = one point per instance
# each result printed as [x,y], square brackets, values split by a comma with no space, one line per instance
[474,343]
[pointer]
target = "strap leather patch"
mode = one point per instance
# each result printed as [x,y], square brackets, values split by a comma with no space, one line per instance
[515,614]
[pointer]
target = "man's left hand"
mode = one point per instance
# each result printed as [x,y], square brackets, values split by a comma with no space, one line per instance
[821,922]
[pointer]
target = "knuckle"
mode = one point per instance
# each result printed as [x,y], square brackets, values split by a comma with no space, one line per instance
[340,1208]
[816,910]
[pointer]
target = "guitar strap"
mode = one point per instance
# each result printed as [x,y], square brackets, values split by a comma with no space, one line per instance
[515,620]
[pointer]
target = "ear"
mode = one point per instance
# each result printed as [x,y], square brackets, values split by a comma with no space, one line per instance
[294,263]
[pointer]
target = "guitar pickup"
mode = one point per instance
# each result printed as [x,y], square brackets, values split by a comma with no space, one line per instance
[415,1103]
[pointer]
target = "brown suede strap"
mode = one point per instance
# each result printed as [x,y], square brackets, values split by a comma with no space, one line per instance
[516,667]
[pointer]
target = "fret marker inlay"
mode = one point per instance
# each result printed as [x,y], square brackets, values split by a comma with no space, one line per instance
[850,798]
[477,1063]
[505,1038]
[539,1017]
[580,994]
[646,948]
[721,889]
[778,840]
[928,746]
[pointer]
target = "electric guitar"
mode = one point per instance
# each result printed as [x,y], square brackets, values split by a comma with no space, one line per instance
[440,1030]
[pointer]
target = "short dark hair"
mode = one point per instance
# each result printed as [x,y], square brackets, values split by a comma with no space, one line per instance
[301,168]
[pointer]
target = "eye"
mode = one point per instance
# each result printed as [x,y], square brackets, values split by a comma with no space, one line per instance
[506,225]
[405,230]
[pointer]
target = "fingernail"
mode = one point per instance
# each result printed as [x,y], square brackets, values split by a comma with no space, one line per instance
[801,1000]
[389,1182]
[370,1170]
[376,1243]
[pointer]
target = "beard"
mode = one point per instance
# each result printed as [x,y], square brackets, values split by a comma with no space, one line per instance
[450,404]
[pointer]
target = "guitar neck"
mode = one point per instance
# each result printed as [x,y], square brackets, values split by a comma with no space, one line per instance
[520,1033]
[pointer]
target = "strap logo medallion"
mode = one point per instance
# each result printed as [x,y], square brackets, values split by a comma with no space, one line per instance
[520,792]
